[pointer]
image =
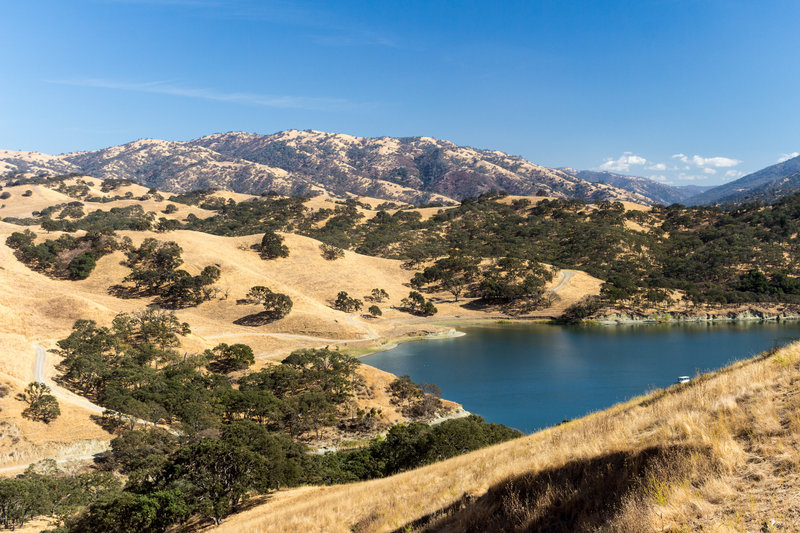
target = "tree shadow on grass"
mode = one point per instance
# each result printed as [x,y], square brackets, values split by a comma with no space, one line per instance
[510,307]
[256,319]
[583,495]
[125,292]
[480,305]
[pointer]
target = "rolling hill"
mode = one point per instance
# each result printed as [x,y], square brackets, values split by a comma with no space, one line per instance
[769,192]
[677,459]
[717,454]
[37,310]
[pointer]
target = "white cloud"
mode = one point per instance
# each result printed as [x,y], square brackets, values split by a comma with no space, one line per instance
[623,163]
[160,87]
[734,174]
[786,157]
[661,178]
[702,162]
[710,170]
[657,166]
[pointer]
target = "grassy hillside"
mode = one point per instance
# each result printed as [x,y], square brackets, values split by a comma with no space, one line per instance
[718,454]
[37,309]
[72,248]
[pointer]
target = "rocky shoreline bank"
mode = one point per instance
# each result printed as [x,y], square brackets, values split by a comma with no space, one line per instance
[739,315]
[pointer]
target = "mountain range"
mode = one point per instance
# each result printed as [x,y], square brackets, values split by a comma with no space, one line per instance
[657,193]
[767,184]
[417,170]
[412,169]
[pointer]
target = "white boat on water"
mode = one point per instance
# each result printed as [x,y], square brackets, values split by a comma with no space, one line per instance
[683,379]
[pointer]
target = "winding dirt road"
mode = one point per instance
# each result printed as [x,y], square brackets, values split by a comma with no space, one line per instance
[70,397]
[566,275]
[57,391]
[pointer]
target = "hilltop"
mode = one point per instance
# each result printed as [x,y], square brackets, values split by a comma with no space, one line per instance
[657,193]
[417,170]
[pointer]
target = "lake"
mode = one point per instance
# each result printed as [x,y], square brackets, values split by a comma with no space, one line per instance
[531,376]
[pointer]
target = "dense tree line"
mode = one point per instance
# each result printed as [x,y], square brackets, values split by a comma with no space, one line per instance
[134,368]
[170,479]
[408,446]
[706,252]
[44,490]
[71,218]
[254,216]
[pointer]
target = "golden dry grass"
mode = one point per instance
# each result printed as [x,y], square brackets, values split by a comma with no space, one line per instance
[720,454]
[35,309]
[43,196]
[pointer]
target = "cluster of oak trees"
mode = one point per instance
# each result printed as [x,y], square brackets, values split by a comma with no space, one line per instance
[64,257]
[200,433]
[155,271]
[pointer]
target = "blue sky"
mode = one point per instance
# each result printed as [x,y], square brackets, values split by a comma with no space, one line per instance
[688,92]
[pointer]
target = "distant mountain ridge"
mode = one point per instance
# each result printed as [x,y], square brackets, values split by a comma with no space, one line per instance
[417,170]
[658,193]
[766,184]
[420,163]
[768,193]
[411,169]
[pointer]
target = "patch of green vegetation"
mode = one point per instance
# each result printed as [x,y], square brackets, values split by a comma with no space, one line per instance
[408,446]
[225,443]
[65,257]
[154,271]
[253,216]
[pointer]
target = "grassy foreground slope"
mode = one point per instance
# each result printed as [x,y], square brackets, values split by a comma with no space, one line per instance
[719,454]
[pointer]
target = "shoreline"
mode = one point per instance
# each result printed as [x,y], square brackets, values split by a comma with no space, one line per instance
[619,320]
[393,342]
[748,316]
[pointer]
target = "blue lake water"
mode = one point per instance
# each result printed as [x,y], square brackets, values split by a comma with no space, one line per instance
[535,375]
